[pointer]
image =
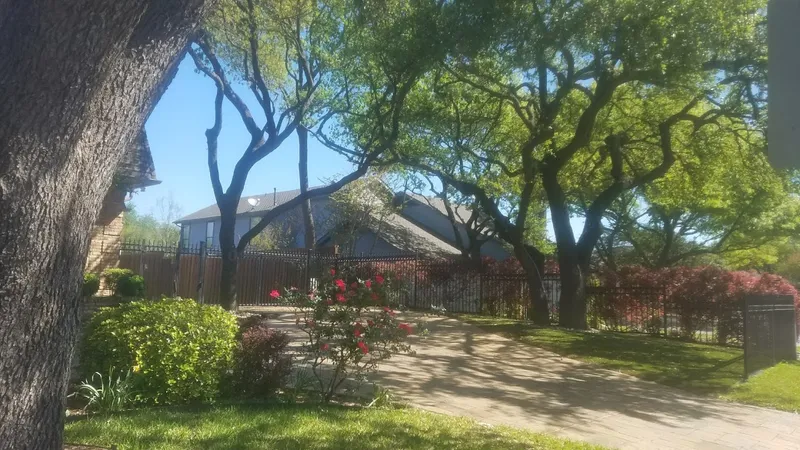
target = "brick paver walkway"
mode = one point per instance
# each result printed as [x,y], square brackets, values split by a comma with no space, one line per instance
[462,370]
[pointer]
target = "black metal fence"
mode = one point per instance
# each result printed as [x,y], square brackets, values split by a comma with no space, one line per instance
[652,311]
[451,285]
[447,285]
[769,331]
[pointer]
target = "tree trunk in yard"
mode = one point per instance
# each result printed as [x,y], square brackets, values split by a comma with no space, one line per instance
[230,256]
[572,303]
[308,216]
[533,264]
[77,82]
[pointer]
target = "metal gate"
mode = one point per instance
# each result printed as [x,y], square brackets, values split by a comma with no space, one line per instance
[769,331]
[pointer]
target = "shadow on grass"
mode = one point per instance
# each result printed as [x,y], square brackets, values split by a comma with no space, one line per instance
[294,427]
[698,368]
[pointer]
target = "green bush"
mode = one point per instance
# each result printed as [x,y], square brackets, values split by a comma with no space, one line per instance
[130,286]
[112,277]
[124,283]
[91,284]
[177,349]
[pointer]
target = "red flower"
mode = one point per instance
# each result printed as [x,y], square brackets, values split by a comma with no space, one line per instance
[274,293]
[370,323]
[333,272]
[324,347]
[406,327]
[368,284]
[388,310]
[340,298]
[363,347]
[379,279]
[375,297]
[357,332]
[329,301]
[340,284]
[354,285]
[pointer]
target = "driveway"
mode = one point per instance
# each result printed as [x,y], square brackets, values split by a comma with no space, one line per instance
[461,370]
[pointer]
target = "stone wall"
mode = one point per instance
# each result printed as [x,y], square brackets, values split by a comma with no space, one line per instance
[106,238]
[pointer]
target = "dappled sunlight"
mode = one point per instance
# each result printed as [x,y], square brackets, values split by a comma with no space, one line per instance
[460,369]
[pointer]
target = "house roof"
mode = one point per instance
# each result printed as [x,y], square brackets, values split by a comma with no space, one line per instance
[136,170]
[263,203]
[461,212]
[406,236]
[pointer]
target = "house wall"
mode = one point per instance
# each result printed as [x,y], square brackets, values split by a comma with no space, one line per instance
[369,243]
[319,208]
[106,237]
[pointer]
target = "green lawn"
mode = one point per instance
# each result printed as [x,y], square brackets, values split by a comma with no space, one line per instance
[777,387]
[698,368]
[300,427]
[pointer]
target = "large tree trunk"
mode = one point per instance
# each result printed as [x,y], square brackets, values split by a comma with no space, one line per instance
[230,256]
[310,236]
[572,303]
[77,82]
[532,262]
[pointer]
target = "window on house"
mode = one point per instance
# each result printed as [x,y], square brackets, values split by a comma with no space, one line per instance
[209,234]
[254,221]
[185,233]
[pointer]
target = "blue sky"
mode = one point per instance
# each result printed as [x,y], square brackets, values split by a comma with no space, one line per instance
[176,131]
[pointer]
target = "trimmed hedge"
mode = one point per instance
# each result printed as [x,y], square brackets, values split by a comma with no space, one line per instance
[178,350]
[91,284]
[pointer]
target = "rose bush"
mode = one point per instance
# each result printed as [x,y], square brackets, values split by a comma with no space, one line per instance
[348,326]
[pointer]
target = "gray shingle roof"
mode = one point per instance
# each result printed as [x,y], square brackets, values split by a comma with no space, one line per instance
[136,170]
[461,212]
[264,203]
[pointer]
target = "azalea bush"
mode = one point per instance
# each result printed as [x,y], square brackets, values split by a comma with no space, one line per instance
[698,298]
[349,328]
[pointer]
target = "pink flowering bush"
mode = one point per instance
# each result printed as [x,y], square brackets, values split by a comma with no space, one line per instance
[348,327]
[699,297]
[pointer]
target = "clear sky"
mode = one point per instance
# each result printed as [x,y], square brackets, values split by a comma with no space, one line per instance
[176,131]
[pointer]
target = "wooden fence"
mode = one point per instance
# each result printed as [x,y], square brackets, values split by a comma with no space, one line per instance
[195,272]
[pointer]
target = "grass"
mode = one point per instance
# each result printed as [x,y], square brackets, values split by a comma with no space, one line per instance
[300,427]
[698,368]
[777,387]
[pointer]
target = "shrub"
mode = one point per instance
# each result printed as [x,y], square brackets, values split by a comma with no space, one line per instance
[698,297]
[348,328]
[177,349]
[262,364]
[113,275]
[91,284]
[124,283]
[130,286]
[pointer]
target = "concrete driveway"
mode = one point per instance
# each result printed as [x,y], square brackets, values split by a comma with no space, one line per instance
[462,370]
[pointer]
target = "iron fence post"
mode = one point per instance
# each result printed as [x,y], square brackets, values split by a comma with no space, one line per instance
[201,271]
[414,286]
[664,311]
[176,273]
[308,270]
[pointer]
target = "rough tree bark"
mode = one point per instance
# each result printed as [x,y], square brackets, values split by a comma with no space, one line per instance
[308,215]
[77,82]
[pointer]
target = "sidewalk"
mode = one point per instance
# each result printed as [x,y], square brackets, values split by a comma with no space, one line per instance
[462,370]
